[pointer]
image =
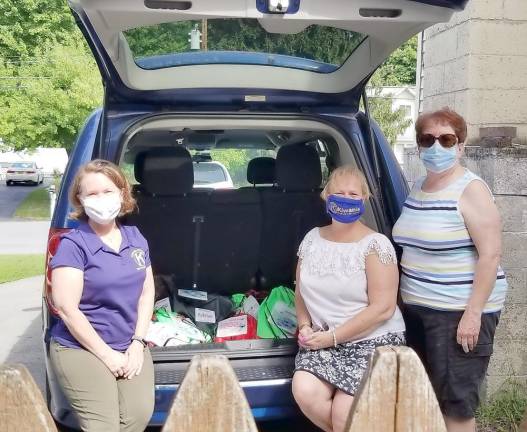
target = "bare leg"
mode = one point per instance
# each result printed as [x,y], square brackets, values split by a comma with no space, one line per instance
[340,410]
[314,397]
[460,425]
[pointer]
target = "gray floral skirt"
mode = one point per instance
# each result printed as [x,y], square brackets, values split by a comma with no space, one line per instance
[344,366]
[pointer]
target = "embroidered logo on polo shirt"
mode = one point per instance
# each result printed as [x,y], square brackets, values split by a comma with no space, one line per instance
[138,255]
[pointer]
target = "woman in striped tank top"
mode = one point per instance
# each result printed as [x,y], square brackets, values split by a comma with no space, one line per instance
[451,281]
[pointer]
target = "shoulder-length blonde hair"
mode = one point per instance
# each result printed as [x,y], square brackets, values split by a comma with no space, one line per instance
[346,171]
[114,173]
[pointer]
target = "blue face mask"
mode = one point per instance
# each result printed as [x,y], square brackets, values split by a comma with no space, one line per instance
[344,210]
[437,158]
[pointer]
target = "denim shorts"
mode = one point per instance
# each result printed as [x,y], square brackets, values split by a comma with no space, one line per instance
[455,375]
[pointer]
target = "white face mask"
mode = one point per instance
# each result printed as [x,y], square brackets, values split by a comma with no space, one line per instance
[102,209]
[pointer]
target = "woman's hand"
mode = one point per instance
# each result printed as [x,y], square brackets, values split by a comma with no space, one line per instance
[468,330]
[319,340]
[304,334]
[135,358]
[116,362]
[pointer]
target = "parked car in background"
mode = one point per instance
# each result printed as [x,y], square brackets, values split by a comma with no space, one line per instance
[212,175]
[24,172]
[282,114]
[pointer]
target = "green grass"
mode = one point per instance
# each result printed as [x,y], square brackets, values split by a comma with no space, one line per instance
[15,267]
[35,206]
[504,412]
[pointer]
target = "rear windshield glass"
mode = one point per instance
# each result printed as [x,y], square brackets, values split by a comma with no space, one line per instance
[22,165]
[240,41]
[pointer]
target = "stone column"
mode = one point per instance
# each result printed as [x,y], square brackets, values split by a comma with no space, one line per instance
[477,65]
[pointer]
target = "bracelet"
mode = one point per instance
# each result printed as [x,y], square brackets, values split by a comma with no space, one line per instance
[139,339]
[334,338]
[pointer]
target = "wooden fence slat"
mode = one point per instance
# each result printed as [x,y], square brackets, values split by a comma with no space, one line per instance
[22,407]
[210,399]
[417,406]
[373,408]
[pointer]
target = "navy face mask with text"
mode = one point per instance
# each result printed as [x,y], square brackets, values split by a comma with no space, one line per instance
[343,209]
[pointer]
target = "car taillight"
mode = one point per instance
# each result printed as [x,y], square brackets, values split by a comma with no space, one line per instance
[30,172]
[53,244]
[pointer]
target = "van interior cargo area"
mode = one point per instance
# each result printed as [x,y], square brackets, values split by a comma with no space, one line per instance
[228,241]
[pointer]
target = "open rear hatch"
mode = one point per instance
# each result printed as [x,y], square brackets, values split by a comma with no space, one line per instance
[289,52]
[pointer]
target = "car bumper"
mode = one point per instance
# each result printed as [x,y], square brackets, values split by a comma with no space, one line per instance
[23,178]
[269,400]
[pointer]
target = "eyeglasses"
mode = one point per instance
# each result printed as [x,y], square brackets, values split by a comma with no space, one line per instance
[428,140]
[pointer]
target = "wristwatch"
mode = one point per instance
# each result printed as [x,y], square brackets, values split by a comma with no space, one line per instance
[139,339]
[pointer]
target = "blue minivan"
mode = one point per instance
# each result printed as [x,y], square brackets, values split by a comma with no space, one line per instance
[269,89]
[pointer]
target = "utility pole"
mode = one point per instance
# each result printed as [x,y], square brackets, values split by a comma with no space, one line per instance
[204,40]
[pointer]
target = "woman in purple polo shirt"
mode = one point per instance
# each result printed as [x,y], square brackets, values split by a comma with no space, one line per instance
[103,291]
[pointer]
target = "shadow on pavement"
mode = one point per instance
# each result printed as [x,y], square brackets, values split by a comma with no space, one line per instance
[28,351]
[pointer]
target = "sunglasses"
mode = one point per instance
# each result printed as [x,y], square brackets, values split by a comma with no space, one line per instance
[428,140]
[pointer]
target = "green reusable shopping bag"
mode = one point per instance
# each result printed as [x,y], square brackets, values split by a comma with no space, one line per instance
[237,300]
[277,314]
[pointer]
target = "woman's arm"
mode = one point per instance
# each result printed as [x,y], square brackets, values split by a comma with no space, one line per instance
[67,285]
[483,223]
[145,307]
[383,282]
[302,315]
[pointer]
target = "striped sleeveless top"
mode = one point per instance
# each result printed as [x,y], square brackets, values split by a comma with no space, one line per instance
[439,257]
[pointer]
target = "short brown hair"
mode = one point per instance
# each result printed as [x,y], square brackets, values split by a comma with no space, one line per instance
[347,170]
[114,173]
[444,116]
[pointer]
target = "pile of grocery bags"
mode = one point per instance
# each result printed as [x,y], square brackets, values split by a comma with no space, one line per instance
[192,316]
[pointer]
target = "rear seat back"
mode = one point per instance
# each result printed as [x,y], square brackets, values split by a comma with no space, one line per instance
[167,211]
[249,236]
[231,241]
[290,210]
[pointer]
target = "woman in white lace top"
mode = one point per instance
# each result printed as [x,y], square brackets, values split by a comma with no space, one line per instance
[346,296]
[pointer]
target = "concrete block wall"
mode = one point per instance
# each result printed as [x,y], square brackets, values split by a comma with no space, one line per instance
[477,65]
[505,171]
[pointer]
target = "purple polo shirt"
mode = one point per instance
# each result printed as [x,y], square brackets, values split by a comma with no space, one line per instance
[113,282]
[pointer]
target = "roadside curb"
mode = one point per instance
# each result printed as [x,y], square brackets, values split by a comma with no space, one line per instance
[23,283]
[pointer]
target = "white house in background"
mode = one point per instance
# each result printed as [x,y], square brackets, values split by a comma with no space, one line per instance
[49,159]
[403,96]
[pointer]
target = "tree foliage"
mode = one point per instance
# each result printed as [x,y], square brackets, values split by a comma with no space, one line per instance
[49,81]
[28,26]
[47,101]
[392,122]
[399,68]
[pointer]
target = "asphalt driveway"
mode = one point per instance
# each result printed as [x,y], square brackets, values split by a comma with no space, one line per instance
[12,196]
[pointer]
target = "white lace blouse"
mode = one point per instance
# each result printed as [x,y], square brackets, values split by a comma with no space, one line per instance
[333,281]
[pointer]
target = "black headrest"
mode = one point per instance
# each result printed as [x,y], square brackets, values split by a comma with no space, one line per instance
[298,168]
[167,171]
[261,170]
